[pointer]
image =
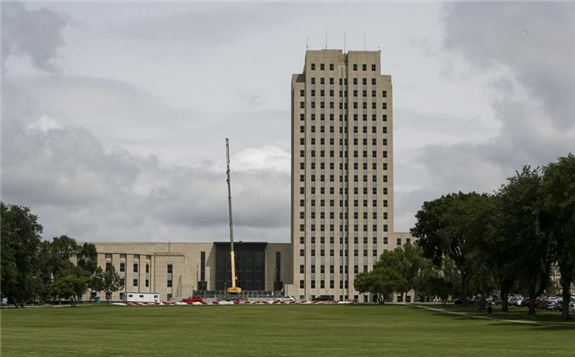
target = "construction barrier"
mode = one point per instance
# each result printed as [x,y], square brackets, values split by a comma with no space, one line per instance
[263,302]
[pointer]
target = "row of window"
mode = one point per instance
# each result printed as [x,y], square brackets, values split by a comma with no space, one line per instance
[332,269]
[343,117]
[342,203]
[342,227]
[343,105]
[343,142]
[341,253]
[354,66]
[341,215]
[135,267]
[341,240]
[343,93]
[341,130]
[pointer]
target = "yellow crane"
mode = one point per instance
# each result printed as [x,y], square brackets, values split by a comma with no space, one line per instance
[233,289]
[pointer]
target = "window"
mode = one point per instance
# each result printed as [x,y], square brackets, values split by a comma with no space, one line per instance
[313,66]
[302,93]
[147,283]
[302,105]
[302,269]
[322,66]
[122,266]
[384,117]
[313,284]
[373,68]
[301,253]
[355,68]
[364,67]
[384,240]
[313,80]
[135,267]
[135,282]
[384,105]
[407,241]
[384,94]
[169,269]
[147,268]
[398,241]
[301,284]
[301,240]
[169,297]
[331,67]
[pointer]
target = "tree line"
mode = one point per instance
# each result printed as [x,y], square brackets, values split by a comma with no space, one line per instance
[507,241]
[36,270]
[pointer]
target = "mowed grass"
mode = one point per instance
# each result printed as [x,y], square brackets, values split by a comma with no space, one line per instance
[294,330]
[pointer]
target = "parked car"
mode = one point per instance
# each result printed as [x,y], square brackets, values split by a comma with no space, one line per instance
[515,300]
[458,301]
[323,298]
[193,299]
[286,298]
[525,303]
[572,306]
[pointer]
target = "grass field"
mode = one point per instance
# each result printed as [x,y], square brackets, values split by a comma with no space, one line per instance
[302,330]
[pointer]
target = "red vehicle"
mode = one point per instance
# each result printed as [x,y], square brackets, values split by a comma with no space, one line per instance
[193,299]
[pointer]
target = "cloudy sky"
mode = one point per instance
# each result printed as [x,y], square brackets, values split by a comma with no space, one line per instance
[114,115]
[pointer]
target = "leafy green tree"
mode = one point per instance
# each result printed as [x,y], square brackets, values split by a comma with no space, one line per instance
[87,258]
[445,228]
[63,249]
[111,282]
[381,282]
[527,224]
[96,282]
[559,190]
[20,240]
[72,283]
[409,262]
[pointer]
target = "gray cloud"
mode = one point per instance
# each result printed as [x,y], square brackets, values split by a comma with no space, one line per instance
[36,34]
[532,99]
[534,39]
[80,187]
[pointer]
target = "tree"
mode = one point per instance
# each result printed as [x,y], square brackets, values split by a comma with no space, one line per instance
[408,261]
[71,283]
[63,249]
[380,282]
[445,228]
[96,282]
[20,240]
[87,258]
[527,224]
[559,190]
[111,282]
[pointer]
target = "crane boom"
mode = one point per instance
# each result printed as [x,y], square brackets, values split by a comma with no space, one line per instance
[233,289]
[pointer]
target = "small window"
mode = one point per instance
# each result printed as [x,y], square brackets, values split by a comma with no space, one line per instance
[302,93]
[313,66]
[321,66]
[142,296]
[373,67]
[331,67]
[364,67]
[355,66]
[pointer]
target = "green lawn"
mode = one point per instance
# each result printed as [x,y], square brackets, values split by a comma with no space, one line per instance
[303,330]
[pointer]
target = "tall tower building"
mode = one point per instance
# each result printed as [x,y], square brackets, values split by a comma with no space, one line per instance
[342,171]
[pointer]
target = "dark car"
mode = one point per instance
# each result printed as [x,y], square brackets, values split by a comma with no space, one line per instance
[323,298]
[458,301]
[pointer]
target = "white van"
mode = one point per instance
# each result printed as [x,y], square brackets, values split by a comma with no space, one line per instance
[142,297]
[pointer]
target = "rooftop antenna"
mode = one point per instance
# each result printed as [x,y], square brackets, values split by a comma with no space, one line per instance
[326,39]
[364,41]
[344,42]
[306,43]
